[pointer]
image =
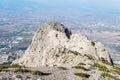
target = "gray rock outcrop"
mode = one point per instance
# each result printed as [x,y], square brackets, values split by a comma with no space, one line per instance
[96,76]
[54,44]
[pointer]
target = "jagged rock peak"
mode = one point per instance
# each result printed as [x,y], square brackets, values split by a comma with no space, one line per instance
[55,26]
[53,44]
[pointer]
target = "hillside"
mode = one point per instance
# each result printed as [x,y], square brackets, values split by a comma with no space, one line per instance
[57,54]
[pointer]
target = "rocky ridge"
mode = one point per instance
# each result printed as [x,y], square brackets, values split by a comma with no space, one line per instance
[57,54]
[54,44]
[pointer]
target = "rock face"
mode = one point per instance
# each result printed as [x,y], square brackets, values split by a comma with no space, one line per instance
[54,44]
[96,76]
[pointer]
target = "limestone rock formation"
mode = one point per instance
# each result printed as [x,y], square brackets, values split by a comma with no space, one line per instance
[54,45]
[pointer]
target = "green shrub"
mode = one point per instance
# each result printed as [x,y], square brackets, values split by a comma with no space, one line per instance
[81,47]
[82,75]
[93,43]
[56,35]
[81,63]
[16,66]
[21,70]
[46,65]
[54,65]
[28,71]
[75,52]
[89,56]
[105,61]
[116,69]
[62,68]
[100,67]
[57,55]
[106,74]
[36,72]
[79,67]
[2,68]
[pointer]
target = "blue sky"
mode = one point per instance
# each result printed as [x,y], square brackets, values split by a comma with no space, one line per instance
[94,6]
[102,5]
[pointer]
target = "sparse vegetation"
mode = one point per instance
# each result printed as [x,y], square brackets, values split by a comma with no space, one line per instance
[116,69]
[62,68]
[100,67]
[56,35]
[2,68]
[75,52]
[54,65]
[82,75]
[81,63]
[46,65]
[57,55]
[89,56]
[81,47]
[36,72]
[106,74]
[93,43]
[79,67]
[16,66]
[105,61]
[21,70]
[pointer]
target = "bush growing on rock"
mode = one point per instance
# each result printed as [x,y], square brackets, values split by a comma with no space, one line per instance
[100,67]
[36,72]
[28,71]
[89,56]
[93,43]
[105,61]
[79,67]
[75,52]
[82,75]
[62,68]
[16,66]
[2,68]
[21,70]
[81,63]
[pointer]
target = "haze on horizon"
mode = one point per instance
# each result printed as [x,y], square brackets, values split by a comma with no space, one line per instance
[89,6]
